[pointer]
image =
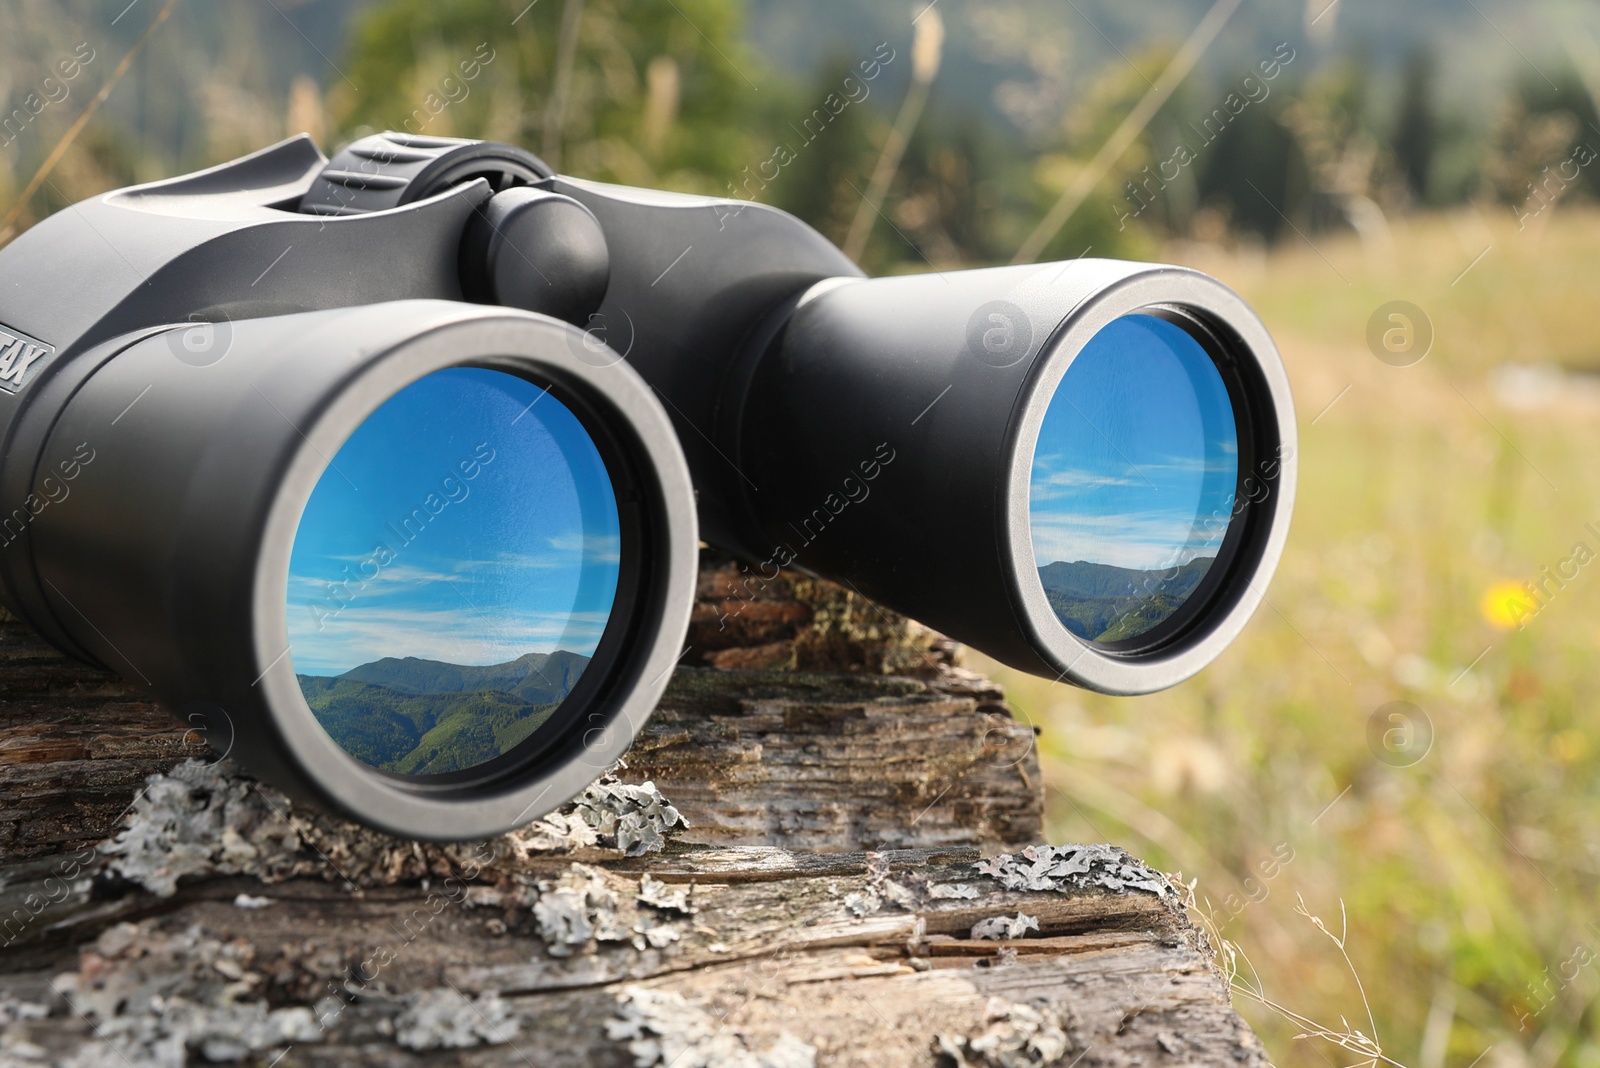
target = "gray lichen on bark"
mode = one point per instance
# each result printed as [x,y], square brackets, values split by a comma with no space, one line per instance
[209,819]
[1074,867]
[154,996]
[663,1028]
[662,896]
[1017,1036]
[445,1018]
[578,911]
[1005,927]
[157,998]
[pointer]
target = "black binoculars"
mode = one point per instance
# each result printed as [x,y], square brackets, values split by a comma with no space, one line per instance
[391,472]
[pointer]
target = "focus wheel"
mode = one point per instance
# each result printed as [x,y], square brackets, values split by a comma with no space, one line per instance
[393,169]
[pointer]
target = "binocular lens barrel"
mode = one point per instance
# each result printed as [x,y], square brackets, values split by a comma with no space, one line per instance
[424,563]
[1085,470]
[453,573]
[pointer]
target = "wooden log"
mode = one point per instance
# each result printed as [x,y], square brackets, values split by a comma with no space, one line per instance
[754,758]
[824,958]
[829,901]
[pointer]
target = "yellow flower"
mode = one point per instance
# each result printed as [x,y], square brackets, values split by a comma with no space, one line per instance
[1508,605]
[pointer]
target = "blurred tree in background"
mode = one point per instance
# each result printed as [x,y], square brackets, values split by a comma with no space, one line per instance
[1100,225]
[816,185]
[1416,130]
[645,92]
[1346,162]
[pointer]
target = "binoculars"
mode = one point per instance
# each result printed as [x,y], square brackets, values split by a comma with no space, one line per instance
[391,472]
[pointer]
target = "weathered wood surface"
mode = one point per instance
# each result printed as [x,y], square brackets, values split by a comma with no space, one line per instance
[783,755]
[819,909]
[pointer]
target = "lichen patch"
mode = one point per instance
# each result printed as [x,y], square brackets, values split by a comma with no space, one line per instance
[210,819]
[578,911]
[1016,1036]
[445,1018]
[664,1028]
[1005,927]
[1074,867]
[154,998]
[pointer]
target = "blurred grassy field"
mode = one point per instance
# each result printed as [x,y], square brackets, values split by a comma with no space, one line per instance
[1468,867]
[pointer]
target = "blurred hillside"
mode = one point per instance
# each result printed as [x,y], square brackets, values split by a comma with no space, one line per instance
[1060,48]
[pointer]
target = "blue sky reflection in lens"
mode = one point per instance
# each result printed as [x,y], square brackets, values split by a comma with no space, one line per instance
[1133,479]
[452,573]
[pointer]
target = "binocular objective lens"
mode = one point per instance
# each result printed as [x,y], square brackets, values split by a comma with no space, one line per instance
[1133,480]
[452,573]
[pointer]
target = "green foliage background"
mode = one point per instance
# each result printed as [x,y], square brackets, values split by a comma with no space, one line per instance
[403,51]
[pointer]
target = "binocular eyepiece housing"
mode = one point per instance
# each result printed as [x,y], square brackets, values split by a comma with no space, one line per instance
[1086,468]
[389,472]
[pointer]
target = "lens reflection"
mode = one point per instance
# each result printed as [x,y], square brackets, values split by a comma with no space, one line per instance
[1133,479]
[452,573]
